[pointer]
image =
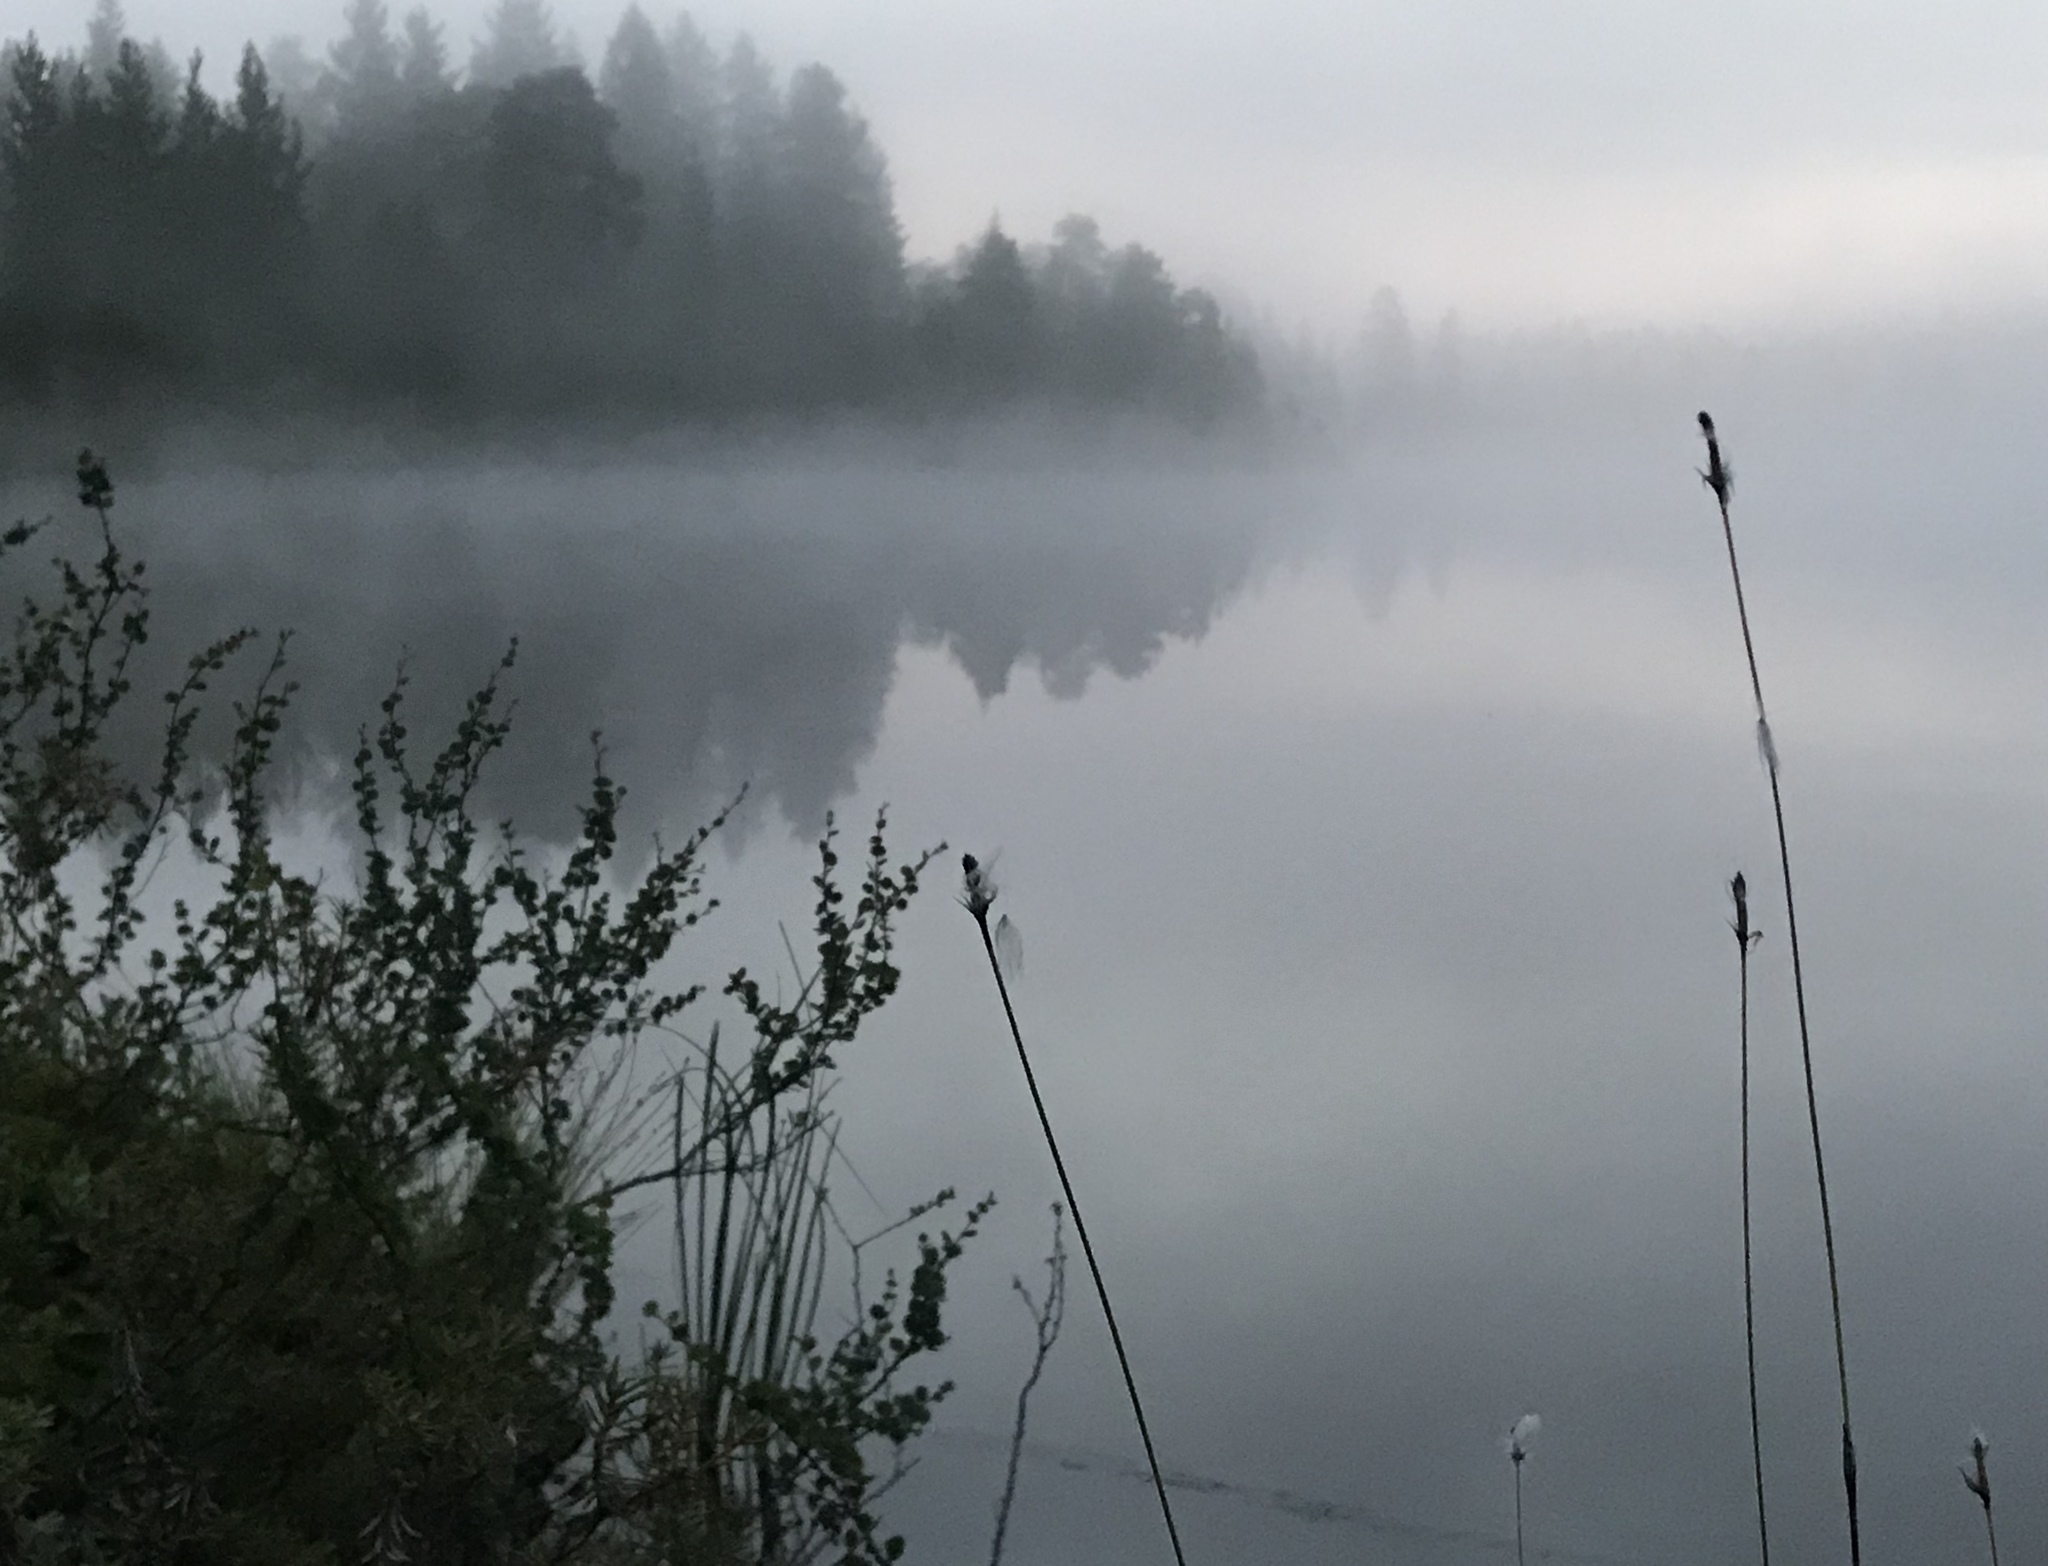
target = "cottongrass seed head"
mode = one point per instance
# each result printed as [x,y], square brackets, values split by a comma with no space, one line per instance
[1525,1430]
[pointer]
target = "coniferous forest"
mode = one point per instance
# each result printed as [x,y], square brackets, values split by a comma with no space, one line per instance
[681,232]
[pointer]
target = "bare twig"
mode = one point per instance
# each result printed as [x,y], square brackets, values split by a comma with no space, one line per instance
[1045,1324]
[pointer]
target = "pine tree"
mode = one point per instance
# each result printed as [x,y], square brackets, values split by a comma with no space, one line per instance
[693,67]
[423,59]
[637,83]
[103,35]
[362,66]
[519,40]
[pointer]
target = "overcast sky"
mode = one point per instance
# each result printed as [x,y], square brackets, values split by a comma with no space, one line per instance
[1617,160]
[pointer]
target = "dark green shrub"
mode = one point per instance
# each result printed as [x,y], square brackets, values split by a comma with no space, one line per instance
[305,1250]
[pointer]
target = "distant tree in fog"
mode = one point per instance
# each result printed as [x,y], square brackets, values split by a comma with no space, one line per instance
[554,196]
[519,40]
[842,252]
[693,65]
[982,327]
[103,34]
[423,57]
[294,77]
[363,66]
[638,84]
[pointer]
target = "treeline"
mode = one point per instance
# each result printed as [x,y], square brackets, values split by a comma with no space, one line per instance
[684,234]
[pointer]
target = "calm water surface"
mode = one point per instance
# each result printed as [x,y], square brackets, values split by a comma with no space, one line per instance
[1368,817]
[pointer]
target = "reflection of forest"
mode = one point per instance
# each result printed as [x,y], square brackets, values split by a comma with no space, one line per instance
[720,623]
[686,234]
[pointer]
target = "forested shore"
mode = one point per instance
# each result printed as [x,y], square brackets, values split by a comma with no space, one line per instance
[682,232]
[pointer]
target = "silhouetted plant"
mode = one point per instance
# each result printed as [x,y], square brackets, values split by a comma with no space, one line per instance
[1720,479]
[1047,1316]
[769,1424]
[1519,1436]
[1745,943]
[977,896]
[1977,1479]
[305,1241]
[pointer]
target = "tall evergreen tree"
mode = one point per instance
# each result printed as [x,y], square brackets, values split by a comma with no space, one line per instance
[694,68]
[423,57]
[749,132]
[637,83]
[362,66]
[842,251]
[519,40]
[996,331]
[269,147]
[38,282]
[555,197]
[103,34]
[295,77]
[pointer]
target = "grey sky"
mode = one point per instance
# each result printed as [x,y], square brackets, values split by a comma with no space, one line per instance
[1612,159]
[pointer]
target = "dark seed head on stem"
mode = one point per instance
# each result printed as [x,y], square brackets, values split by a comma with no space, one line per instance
[977,886]
[1979,1483]
[1717,476]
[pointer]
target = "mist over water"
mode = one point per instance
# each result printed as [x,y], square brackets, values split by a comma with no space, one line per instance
[1367,806]
[725,618]
[1362,723]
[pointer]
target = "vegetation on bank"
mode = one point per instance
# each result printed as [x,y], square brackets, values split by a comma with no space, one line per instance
[680,234]
[308,1187]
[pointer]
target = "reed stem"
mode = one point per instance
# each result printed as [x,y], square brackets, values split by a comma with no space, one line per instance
[1720,481]
[1745,940]
[1979,1485]
[1518,1509]
[979,909]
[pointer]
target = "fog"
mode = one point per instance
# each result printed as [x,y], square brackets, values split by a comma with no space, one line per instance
[728,617]
[1367,803]
[1618,161]
[1362,723]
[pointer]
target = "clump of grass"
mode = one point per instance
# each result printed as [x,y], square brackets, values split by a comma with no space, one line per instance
[1519,1436]
[1745,943]
[1719,478]
[977,896]
[1979,1485]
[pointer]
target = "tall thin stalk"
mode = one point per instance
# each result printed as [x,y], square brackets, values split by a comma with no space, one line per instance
[1745,942]
[1519,1437]
[977,896]
[1519,1455]
[1721,481]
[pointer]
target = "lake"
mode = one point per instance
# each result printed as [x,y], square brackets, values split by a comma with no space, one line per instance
[1367,804]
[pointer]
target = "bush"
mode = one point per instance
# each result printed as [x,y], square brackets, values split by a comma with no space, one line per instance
[305,1238]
